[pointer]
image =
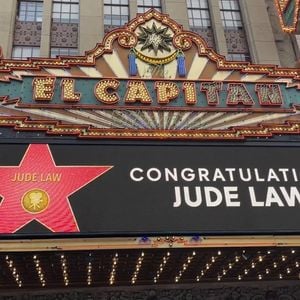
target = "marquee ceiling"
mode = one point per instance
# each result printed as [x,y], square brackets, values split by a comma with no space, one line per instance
[136,267]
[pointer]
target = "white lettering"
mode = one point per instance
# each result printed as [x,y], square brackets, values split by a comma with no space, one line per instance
[230,171]
[242,176]
[257,175]
[154,174]
[295,175]
[168,174]
[177,202]
[188,174]
[132,174]
[187,197]
[273,197]
[218,175]
[292,197]
[284,173]
[272,176]
[208,196]
[253,198]
[230,193]
[203,174]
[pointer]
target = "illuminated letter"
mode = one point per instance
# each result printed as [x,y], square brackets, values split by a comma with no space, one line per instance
[43,88]
[137,91]
[269,94]
[238,94]
[102,91]
[190,95]
[68,91]
[132,174]
[166,91]
[211,90]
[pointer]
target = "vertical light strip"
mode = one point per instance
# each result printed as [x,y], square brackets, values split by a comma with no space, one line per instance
[207,266]
[13,271]
[137,268]
[112,276]
[161,267]
[39,270]
[185,266]
[64,269]
[89,270]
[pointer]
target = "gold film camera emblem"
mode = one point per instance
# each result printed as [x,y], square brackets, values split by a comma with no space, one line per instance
[35,201]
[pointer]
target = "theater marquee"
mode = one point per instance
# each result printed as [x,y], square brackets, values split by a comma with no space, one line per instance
[153,189]
[154,83]
[149,80]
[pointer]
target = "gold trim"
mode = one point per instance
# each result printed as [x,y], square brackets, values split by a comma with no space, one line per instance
[281,6]
[51,127]
[127,39]
[158,242]
[155,61]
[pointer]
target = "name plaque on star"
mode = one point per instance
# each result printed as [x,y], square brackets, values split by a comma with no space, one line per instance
[154,189]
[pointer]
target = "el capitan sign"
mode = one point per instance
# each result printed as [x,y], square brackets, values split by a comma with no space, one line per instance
[109,93]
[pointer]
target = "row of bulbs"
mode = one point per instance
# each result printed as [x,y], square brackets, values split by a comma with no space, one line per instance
[208,265]
[187,262]
[185,266]
[13,270]
[113,269]
[161,267]
[64,268]
[39,270]
[137,268]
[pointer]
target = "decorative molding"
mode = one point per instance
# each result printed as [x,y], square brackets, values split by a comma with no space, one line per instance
[27,33]
[288,11]
[127,39]
[64,35]
[236,40]
[88,132]
[207,34]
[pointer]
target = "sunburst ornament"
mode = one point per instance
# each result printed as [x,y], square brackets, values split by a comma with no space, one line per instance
[155,38]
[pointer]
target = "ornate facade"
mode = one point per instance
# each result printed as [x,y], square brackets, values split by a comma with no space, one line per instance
[150,81]
[260,31]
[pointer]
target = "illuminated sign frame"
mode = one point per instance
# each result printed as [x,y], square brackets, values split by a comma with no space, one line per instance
[180,189]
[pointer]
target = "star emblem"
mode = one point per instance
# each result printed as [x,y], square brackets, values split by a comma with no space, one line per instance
[155,38]
[38,190]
